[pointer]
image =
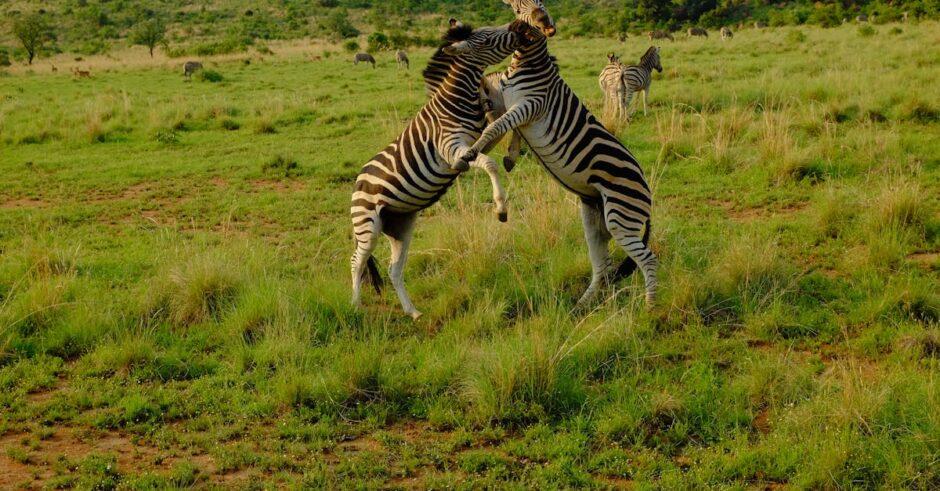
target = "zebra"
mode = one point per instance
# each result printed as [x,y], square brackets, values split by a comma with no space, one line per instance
[611,83]
[726,33]
[365,58]
[861,18]
[491,98]
[760,24]
[637,78]
[402,58]
[190,68]
[697,31]
[659,35]
[584,157]
[415,170]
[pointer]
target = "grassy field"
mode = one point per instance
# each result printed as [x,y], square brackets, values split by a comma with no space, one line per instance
[174,281]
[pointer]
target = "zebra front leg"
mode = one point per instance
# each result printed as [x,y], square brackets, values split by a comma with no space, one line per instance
[646,93]
[515,117]
[513,152]
[597,238]
[488,165]
[399,230]
[629,106]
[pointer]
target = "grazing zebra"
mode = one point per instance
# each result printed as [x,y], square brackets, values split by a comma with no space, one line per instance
[726,33]
[760,25]
[697,31]
[415,170]
[637,78]
[365,58]
[584,157]
[611,83]
[402,58]
[78,72]
[190,68]
[659,35]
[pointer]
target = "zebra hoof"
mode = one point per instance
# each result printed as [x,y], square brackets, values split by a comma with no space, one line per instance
[461,166]
[415,315]
[509,164]
[503,216]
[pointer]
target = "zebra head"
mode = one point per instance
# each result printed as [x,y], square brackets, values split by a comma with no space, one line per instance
[487,45]
[612,58]
[532,12]
[651,59]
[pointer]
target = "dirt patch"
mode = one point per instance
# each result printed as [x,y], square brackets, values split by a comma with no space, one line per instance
[745,215]
[29,459]
[21,203]
[761,421]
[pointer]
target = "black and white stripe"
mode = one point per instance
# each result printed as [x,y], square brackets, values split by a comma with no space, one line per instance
[415,170]
[584,157]
[611,83]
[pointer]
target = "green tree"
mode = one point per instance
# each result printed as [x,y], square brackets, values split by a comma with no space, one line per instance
[149,34]
[32,31]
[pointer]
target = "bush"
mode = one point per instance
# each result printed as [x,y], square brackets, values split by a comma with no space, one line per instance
[280,165]
[5,57]
[167,137]
[210,76]
[351,46]
[866,31]
[378,42]
[337,25]
[796,36]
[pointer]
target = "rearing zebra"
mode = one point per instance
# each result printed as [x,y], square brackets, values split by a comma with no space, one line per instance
[414,171]
[611,83]
[638,78]
[584,157]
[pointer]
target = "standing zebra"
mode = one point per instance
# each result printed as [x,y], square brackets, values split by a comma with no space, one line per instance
[726,33]
[584,157]
[415,170]
[402,58]
[659,35]
[365,58]
[697,31]
[611,83]
[190,68]
[638,78]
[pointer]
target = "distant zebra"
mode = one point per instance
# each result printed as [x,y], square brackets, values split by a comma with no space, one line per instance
[697,31]
[55,69]
[585,158]
[659,35]
[904,16]
[365,58]
[760,25]
[402,58]
[638,78]
[726,33]
[611,83]
[861,18]
[78,72]
[415,170]
[190,68]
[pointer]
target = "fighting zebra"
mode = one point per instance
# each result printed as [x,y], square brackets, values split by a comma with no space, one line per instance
[402,59]
[697,31]
[583,157]
[659,35]
[190,68]
[638,78]
[415,170]
[365,58]
[726,33]
[611,83]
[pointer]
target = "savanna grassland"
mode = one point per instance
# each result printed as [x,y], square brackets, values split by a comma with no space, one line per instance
[174,280]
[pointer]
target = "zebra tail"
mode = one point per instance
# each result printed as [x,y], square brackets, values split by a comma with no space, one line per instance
[372,271]
[628,266]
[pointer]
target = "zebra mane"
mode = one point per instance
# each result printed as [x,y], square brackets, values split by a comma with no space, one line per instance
[439,64]
[648,54]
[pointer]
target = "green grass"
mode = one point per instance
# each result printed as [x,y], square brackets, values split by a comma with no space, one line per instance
[174,282]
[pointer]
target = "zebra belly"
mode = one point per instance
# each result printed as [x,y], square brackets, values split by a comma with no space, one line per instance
[552,156]
[400,186]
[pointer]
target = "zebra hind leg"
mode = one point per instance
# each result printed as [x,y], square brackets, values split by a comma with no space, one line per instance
[630,238]
[488,165]
[597,238]
[365,231]
[398,229]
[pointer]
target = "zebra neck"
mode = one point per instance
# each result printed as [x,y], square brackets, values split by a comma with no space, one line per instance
[462,83]
[646,64]
[532,58]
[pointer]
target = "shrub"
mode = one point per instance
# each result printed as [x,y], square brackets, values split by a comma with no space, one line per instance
[796,36]
[229,124]
[866,31]
[210,76]
[167,136]
[378,42]
[351,46]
